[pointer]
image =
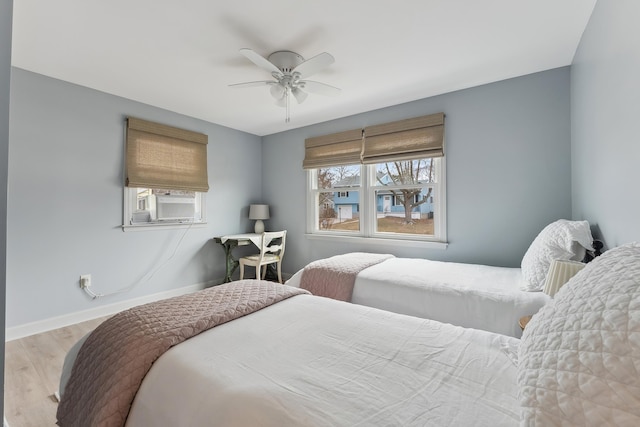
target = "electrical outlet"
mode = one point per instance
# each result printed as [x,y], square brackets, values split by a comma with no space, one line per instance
[85,281]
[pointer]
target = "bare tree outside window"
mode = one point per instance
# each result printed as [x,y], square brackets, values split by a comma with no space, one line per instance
[325,199]
[400,198]
[408,172]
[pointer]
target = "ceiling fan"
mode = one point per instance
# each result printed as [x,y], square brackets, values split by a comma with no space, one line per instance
[290,71]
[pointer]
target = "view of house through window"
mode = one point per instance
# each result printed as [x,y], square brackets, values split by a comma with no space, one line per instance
[404,196]
[339,198]
[391,198]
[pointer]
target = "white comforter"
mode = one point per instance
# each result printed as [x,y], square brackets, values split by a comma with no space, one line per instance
[469,295]
[310,361]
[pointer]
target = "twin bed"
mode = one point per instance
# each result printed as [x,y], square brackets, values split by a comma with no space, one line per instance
[483,297]
[306,361]
[474,296]
[292,358]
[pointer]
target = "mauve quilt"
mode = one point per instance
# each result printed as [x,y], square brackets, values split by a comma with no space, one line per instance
[115,358]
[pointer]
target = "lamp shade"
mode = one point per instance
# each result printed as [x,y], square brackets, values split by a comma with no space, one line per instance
[259,212]
[559,273]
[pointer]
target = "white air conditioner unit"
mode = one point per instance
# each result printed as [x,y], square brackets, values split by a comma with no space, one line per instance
[150,206]
[175,208]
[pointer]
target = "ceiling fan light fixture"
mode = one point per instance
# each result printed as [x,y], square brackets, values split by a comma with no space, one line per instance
[299,94]
[277,91]
[281,102]
[289,70]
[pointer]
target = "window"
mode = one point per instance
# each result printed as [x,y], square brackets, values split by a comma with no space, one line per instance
[399,199]
[154,206]
[411,183]
[337,209]
[391,188]
[166,175]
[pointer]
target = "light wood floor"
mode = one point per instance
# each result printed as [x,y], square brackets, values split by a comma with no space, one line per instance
[32,372]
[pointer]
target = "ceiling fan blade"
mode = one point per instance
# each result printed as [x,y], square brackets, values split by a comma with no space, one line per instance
[253,84]
[260,61]
[315,64]
[320,88]
[299,95]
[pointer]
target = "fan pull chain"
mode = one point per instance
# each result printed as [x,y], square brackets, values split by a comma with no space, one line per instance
[287,97]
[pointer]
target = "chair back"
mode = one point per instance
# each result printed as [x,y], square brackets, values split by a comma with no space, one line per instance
[273,242]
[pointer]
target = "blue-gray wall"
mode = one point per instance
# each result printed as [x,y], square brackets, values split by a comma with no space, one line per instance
[605,101]
[5,80]
[508,170]
[65,201]
[516,160]
[508,175]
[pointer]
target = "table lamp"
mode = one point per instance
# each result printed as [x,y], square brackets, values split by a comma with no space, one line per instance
[559,273]
[259,212]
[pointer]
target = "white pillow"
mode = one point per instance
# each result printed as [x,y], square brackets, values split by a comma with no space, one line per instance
[562,239]
[579,357]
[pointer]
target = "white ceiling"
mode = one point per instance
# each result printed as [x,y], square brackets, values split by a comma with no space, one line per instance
[182,55]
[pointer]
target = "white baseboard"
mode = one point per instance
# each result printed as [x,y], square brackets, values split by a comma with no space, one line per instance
[40,326]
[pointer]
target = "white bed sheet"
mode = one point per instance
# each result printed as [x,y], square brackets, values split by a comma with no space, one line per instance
[470,295]
[310,361]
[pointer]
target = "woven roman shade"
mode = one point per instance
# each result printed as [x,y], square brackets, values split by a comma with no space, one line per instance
[416,138]
[159,156]
[343,148]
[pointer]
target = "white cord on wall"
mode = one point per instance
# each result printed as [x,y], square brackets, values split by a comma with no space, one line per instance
[144,278]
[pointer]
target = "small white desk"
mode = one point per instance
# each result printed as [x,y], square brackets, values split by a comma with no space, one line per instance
[242,239]
[229,242]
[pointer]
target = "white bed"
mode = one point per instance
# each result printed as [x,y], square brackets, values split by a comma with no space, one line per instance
[326,375]
[311,361]
[474,296]
[469,295]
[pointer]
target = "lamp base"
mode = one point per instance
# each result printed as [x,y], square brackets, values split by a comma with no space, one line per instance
[259,227]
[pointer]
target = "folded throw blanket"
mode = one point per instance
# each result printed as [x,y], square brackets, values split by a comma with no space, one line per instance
[118,354]
[335,277]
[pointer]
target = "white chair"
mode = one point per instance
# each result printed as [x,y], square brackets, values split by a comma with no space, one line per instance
[271,252]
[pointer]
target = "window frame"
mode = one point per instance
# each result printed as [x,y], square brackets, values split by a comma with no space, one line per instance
[367,211]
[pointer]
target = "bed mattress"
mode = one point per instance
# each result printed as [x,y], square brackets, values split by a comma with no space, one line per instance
[310,361]
[470,295]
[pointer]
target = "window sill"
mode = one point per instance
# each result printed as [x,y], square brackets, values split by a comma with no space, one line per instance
[172,226]
[425,244]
